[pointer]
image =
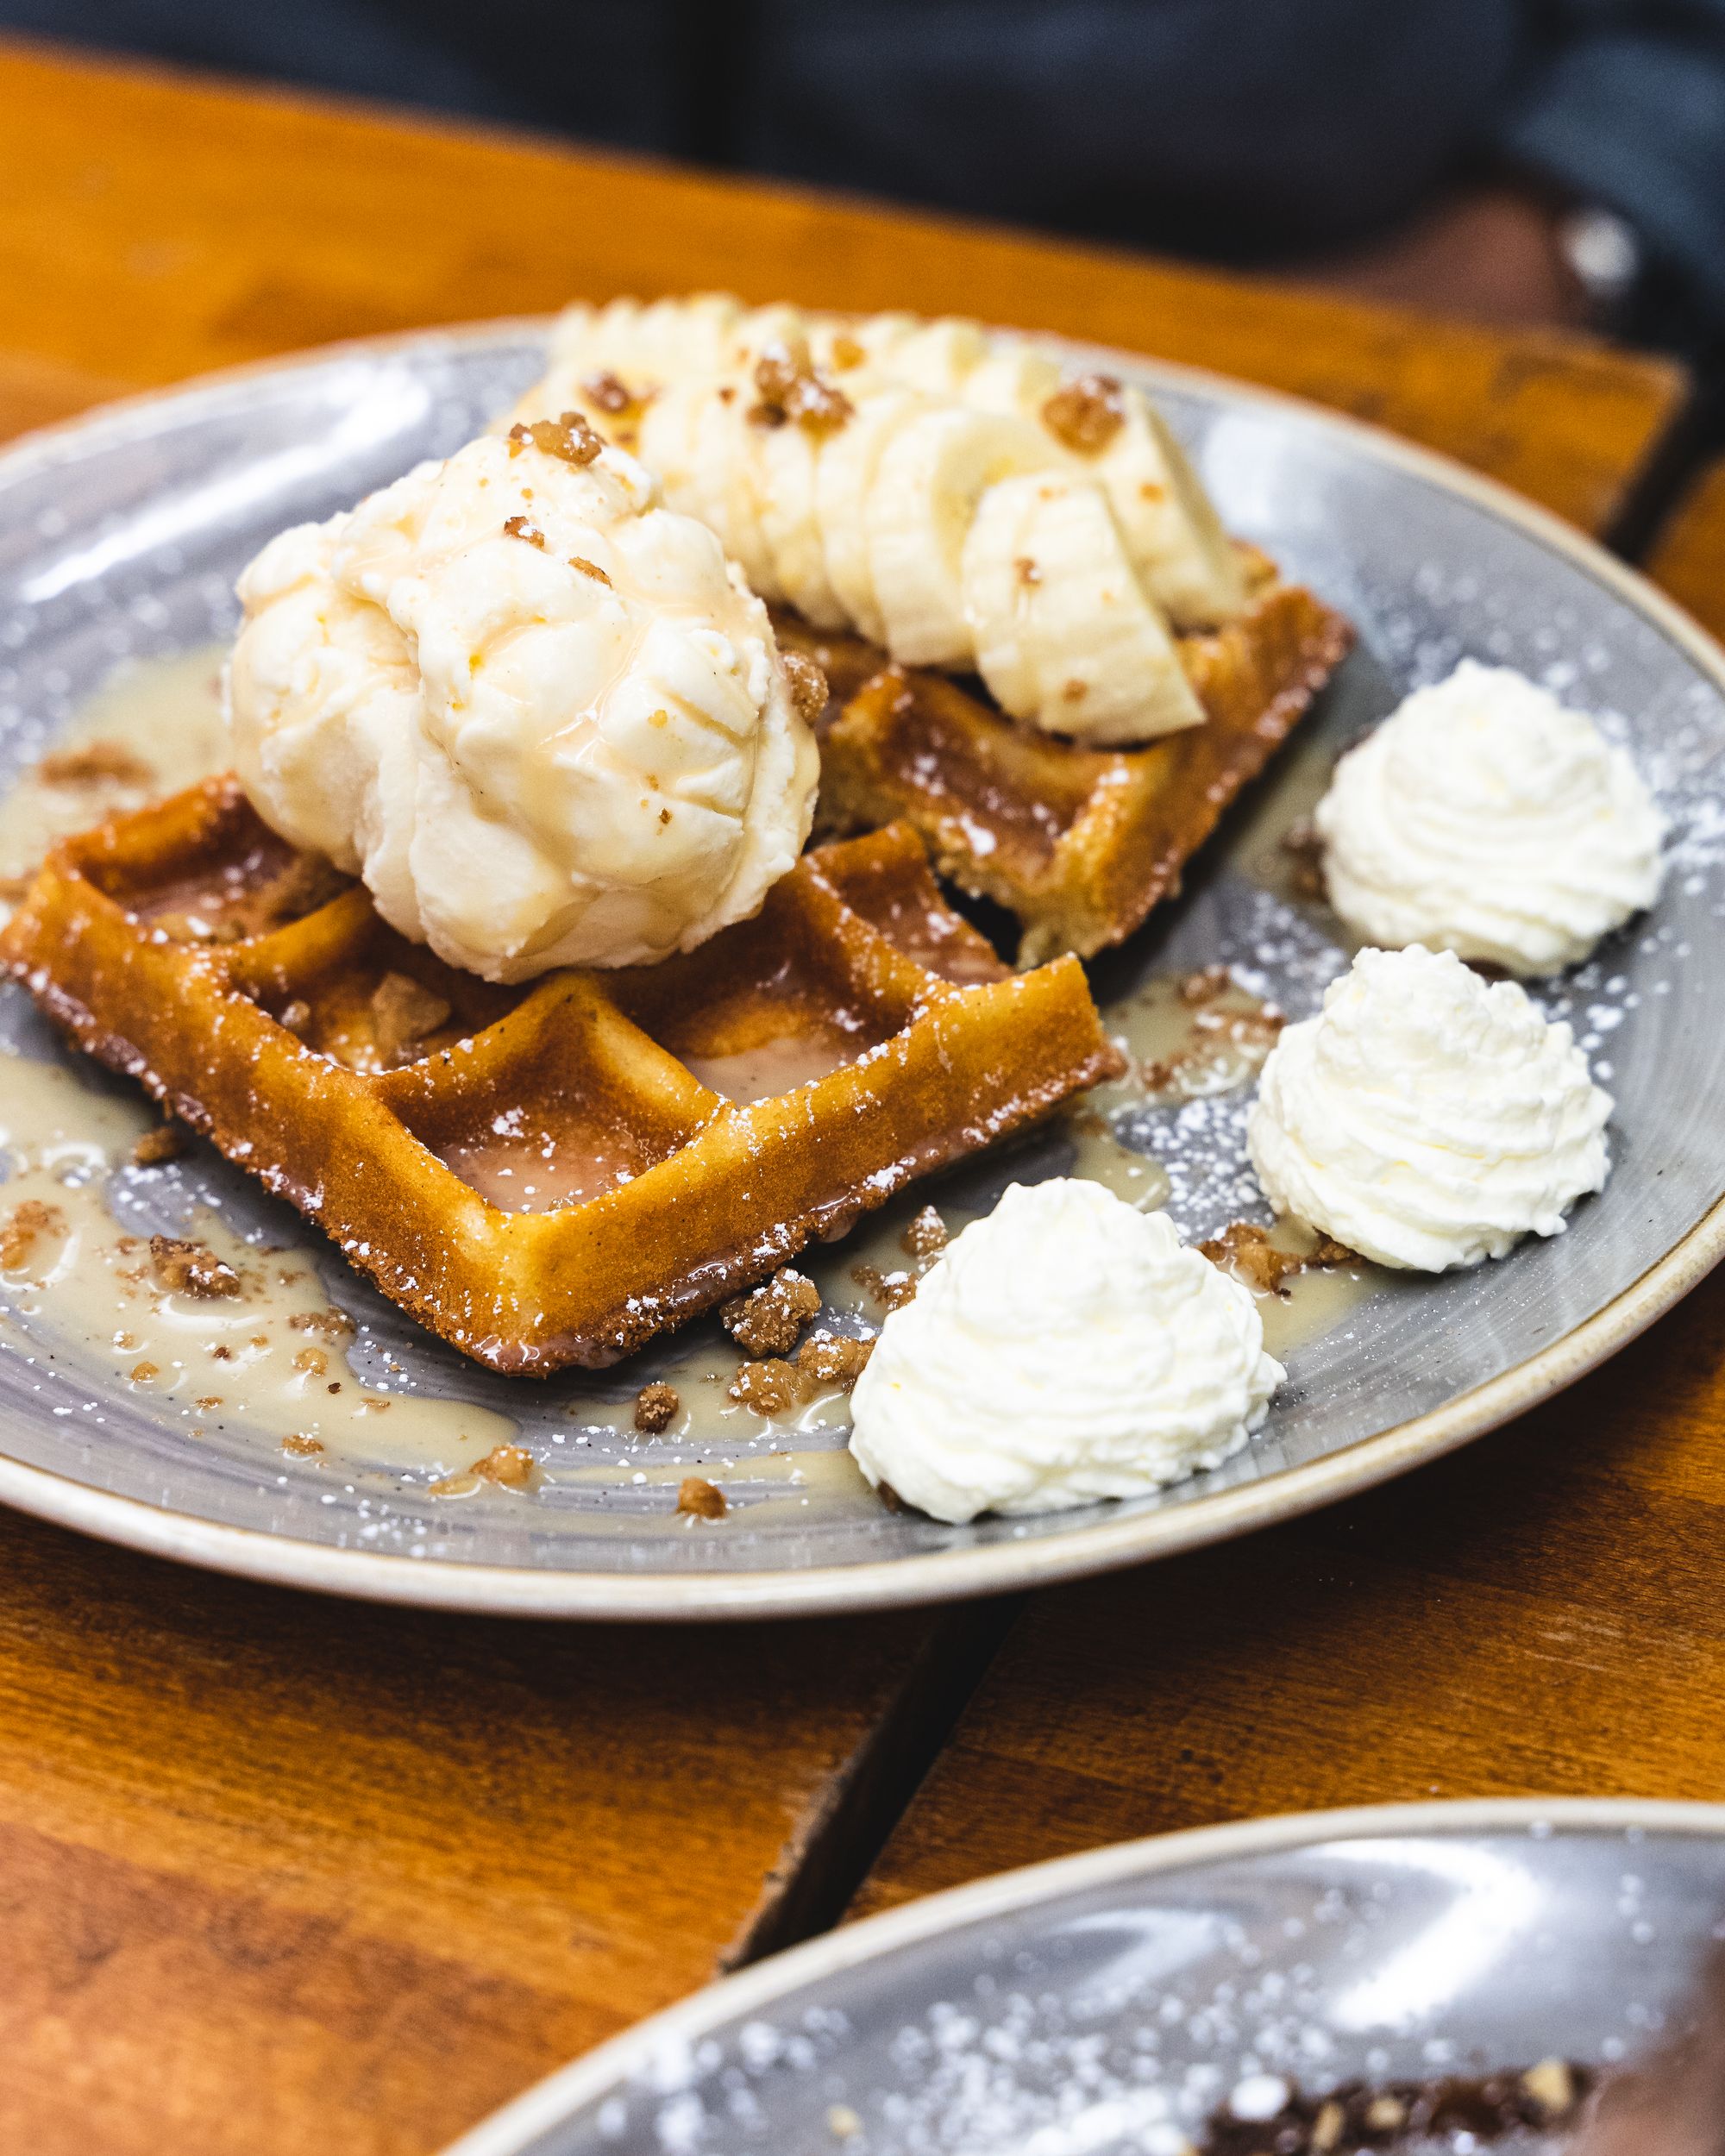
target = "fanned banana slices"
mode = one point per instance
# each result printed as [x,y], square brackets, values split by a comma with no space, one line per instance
[949,495]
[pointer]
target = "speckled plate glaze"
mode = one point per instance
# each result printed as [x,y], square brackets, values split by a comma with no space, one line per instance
[120,538]
[1111,2002]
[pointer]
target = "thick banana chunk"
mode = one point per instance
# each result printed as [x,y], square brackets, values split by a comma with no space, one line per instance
[934,469]
[1065,636]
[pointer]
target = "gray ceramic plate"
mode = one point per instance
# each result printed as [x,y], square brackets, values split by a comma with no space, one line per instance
[1110,2002]
[120,538]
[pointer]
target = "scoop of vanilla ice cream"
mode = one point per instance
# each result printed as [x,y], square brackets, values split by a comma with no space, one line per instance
[537,712]
[1426,1118]
[1065,1349]
[1484,816]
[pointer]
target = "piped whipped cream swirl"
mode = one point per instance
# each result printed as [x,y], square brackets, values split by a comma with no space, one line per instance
[1485,817]
[1426,1118]
[1065,1349]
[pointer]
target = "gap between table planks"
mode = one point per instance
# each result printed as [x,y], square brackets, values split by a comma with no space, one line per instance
[276,1874]
[1540,1614]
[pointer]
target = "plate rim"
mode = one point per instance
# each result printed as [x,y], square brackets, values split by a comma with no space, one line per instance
[507,2130]
[1110,1543]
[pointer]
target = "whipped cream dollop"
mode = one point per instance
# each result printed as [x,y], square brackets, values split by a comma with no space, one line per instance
[1065,1349]
[536,711]
[1426,1118]
[1485,817]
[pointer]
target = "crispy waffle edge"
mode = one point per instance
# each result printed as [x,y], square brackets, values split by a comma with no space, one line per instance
[736,1190]
[1079,843]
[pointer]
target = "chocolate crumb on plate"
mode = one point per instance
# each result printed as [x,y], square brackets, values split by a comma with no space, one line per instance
[1387,2117]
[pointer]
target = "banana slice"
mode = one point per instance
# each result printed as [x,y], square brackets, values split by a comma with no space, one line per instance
[1011,378]
[1172,532]
[783,440]
[1065,635]
[938,357]
[844,481]
[933,470]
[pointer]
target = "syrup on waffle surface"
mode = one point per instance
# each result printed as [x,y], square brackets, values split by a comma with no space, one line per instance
[548,1175]
[1080,843]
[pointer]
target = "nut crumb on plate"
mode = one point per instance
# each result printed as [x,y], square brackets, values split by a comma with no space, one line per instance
[769,1320]
[700,1499]
[191,1269]
[657,1406]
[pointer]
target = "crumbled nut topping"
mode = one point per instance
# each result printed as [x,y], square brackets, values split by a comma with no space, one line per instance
[769,1388]
[144,1373]
[1086,413]
[507,1465]
[657,1406]
[924,1235]
[1028,572]
[334,1324]
[700,1499]
[26,1222]
[1246,1251]
[1206,987]
[1303,844]
[777,1388]
[610,394]
[569,437]
[191,1269]
[847,352]
[769,1321]
[98,763]
[891,1290]
[790,389]
[404,1013]
[519,528]
[312,1362]
[298,1447]
[832,1359]
[166,1142]
[591,569]
[807,684]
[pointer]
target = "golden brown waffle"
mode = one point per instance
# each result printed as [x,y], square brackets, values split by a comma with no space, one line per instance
[1079,842]
[553,1173]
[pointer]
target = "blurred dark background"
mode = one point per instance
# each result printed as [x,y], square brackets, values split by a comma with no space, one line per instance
[1525,160]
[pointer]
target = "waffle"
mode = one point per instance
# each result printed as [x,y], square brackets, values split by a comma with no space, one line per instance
[548,1175]
[1080,843]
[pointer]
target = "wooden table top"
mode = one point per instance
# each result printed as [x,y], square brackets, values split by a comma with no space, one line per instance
[279,1875]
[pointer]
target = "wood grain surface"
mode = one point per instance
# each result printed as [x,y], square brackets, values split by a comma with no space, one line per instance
[1689,559]
[280,1873]
[152,228]
[282,1876]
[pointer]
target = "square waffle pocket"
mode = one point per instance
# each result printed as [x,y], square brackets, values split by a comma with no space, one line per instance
[553,1173]
[1080,843]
